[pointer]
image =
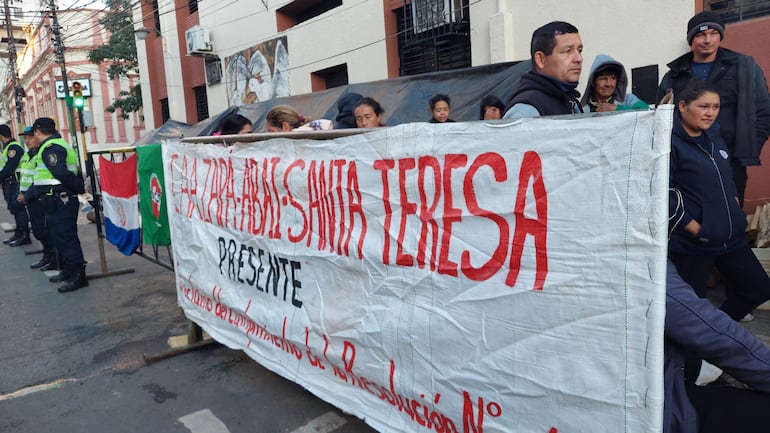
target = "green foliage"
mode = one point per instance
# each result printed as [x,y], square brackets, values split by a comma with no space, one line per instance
[129,102]
[120,51]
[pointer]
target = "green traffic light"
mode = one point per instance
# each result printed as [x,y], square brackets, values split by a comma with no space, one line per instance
[78,102]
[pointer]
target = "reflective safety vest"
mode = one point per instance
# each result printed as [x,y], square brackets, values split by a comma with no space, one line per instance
[43,176]
[22,161]
[27,173]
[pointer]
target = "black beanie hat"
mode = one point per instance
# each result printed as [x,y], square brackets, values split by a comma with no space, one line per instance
[704,21]
[5,131]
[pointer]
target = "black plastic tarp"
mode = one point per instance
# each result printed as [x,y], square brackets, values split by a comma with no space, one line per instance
[170,129]
[404,99]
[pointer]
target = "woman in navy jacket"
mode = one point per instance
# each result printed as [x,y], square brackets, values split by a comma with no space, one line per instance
[707,223]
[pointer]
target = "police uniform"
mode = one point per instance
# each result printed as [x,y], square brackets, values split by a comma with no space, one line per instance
[11,160]
[57,183]
[49,261]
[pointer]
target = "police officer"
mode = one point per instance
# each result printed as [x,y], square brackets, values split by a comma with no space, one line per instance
[57,183]
[11,160]
[49,261]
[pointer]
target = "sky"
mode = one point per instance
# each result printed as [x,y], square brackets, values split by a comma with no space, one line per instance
[35,5]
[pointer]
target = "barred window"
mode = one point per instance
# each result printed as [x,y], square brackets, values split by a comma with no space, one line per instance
[201,103]
[738,10]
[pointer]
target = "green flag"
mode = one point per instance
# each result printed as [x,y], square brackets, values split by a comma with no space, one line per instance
[152,197]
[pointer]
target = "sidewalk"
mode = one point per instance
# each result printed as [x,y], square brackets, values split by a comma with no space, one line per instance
[73,362]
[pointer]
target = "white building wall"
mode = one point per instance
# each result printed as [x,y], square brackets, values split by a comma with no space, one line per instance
[636,33]
[233,28]
[147,111]
[353,33]
[173,67]
[349,34]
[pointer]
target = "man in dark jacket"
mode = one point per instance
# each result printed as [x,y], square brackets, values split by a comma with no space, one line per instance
[745,103]
[694,325]
[550,88]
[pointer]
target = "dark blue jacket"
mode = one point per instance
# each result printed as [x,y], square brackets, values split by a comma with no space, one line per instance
[546,95]
[701,188]
[694,325]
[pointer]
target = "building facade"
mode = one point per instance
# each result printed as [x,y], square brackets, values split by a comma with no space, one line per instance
[229,53]
[41,80]
[203,58]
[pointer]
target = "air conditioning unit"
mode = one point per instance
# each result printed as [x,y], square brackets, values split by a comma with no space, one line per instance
[198,41]
[213,70]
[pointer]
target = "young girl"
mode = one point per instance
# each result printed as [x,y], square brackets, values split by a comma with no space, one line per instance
[235,124]
[439,108]
[492,108]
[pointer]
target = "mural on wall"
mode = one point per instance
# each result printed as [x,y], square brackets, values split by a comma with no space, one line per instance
[258,73]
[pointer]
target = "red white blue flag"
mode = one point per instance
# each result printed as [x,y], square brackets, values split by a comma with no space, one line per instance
[120,199]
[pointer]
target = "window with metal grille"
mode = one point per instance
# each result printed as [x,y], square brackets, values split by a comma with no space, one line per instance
[434,38]
[201,103]
[165,114]
[330,77]
[193,6]
[156,15]
[738,10]
[300,11]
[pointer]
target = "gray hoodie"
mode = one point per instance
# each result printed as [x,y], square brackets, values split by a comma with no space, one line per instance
[619,97]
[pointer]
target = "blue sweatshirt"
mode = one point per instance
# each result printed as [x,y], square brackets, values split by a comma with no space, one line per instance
[701,188]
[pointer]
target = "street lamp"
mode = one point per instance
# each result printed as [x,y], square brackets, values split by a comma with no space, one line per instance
[143,32]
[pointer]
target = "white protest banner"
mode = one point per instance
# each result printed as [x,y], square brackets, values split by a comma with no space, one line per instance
[451,278]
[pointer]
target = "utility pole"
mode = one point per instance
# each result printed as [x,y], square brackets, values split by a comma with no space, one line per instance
[18,92]
[59,51]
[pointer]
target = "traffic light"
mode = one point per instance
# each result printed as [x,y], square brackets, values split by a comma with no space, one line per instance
[77,95]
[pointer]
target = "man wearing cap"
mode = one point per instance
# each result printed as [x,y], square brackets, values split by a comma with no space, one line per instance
[57,184]
[744,115]
[11,160]
[49,261]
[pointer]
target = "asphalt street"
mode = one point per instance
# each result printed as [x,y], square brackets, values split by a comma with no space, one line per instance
[75,362]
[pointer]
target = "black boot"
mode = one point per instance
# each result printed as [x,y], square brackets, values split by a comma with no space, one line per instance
[47,261]
[23,240]
[77,280]
[40,263]
[64,275]
[54,262]
[15,236]
[50,266]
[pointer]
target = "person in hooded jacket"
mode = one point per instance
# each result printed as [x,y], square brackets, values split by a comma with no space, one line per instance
[345,105]
[607,88]
[706,221]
